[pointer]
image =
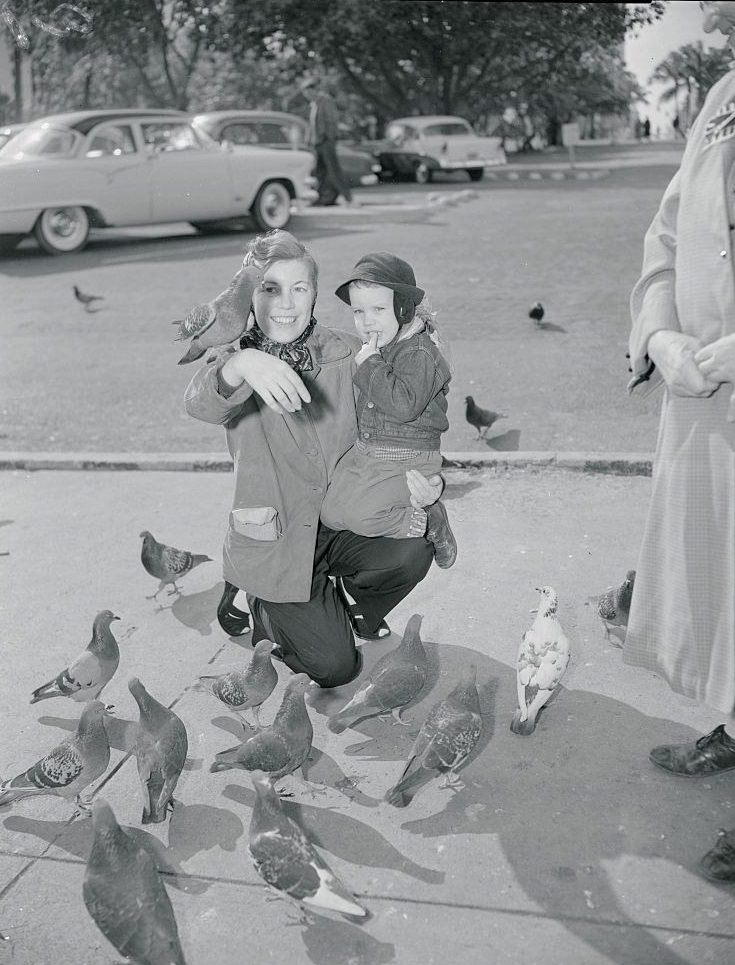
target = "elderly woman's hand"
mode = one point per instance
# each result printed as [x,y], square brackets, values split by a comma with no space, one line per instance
[674,355]
[424,491]
[716,362]
[274,380]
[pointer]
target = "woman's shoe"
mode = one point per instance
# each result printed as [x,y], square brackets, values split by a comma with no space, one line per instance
[234,622]
[357,619]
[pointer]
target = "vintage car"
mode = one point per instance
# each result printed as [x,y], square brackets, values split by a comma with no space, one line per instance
[417,147]
[282,130]
[8,131]
[66,173]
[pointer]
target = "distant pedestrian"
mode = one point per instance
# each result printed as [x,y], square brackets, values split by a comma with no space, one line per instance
[646,130]
[682,617]
[331,180]
[676,124]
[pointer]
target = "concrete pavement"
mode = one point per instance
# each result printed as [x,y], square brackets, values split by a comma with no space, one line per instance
[564,848]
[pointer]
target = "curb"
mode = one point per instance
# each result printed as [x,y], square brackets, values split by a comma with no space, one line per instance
[612,463]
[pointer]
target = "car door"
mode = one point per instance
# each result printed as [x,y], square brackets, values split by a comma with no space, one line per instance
[452,141]
[117,174]
[190,181]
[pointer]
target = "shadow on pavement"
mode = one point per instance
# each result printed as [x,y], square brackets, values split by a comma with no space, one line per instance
[330,942]
[509,441]
[192,829]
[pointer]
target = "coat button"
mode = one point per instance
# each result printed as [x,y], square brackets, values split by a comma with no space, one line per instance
[723,253]
[366,435]
[371,405]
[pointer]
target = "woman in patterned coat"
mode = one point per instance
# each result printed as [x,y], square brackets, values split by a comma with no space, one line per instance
[682,618]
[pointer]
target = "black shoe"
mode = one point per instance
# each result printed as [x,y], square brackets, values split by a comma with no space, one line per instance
[439,533]
[711,754]
[234,622]
[719,863]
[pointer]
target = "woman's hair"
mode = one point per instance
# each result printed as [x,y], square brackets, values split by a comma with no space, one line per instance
[280,245]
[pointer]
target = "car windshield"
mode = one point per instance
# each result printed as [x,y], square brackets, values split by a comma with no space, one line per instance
[40,140]
[446,129]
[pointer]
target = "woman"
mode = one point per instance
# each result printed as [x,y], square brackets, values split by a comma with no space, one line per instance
[286,400]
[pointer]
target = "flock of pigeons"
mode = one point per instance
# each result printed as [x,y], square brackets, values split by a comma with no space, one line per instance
[122,889]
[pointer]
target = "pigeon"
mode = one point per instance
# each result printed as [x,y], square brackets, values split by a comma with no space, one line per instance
[536,312]
[543,656]
[242,689]
[125,896]
[445,741]
[160,745]
[481,419]
[221,320]
[167,563]
[395,680]
[614,608]
[287,860]
[89,674]
[86,300]
[70,767]
[281,748]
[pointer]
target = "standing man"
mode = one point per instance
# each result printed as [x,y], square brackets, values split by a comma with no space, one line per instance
[331,180]
[682,618]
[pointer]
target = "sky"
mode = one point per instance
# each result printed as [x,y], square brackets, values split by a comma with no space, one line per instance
[681,24]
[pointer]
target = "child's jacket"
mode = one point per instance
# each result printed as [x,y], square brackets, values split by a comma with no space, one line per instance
[401,394]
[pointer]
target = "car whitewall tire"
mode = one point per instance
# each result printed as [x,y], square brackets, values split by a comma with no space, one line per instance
[60,231]
[272,206]
[422,173]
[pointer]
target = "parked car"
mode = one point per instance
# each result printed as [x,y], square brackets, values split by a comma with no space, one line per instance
[68,172]
[416,147]
[8,131]
[282,130]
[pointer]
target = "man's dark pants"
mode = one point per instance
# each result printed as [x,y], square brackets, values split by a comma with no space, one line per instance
[329,175]
[316,636]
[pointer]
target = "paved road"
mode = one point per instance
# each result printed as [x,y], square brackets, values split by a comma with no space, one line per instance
[108,380]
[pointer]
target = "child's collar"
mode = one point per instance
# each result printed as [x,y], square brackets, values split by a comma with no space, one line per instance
[413,328]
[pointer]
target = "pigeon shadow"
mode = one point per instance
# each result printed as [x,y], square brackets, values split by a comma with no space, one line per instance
[330,942]
[506,442]
[323,770]
[75,838]
[6,522]
[119,731]
[550,327]
[343,836]
[458,490]
[197,610]
[588,757]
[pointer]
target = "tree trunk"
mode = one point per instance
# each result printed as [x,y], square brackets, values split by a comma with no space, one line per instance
[18,82]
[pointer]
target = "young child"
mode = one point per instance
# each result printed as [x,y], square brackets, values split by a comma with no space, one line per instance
[401,380]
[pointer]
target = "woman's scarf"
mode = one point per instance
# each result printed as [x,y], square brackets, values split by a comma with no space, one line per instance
[295,353]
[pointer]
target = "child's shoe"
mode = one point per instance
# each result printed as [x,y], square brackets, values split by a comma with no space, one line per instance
[439,532]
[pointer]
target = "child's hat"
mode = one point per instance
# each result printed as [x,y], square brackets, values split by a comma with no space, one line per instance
[385,269]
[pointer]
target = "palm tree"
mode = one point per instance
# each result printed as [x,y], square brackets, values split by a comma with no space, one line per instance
[691,70]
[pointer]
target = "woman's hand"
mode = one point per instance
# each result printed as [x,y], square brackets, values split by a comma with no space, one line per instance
[274,380]
[424,491]
[369,348]
[674,355]
[716,362]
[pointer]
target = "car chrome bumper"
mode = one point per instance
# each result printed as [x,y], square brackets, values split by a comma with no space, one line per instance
[368,179]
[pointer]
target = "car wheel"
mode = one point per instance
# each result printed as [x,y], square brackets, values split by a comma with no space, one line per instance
[8,243]
[476,174]
[422,173]
[272,206]
[60,231]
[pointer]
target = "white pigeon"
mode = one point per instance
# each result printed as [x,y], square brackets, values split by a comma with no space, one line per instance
[543,656]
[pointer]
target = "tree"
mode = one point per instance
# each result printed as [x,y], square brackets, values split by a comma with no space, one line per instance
[431,56]
[691,70]
[161,40]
